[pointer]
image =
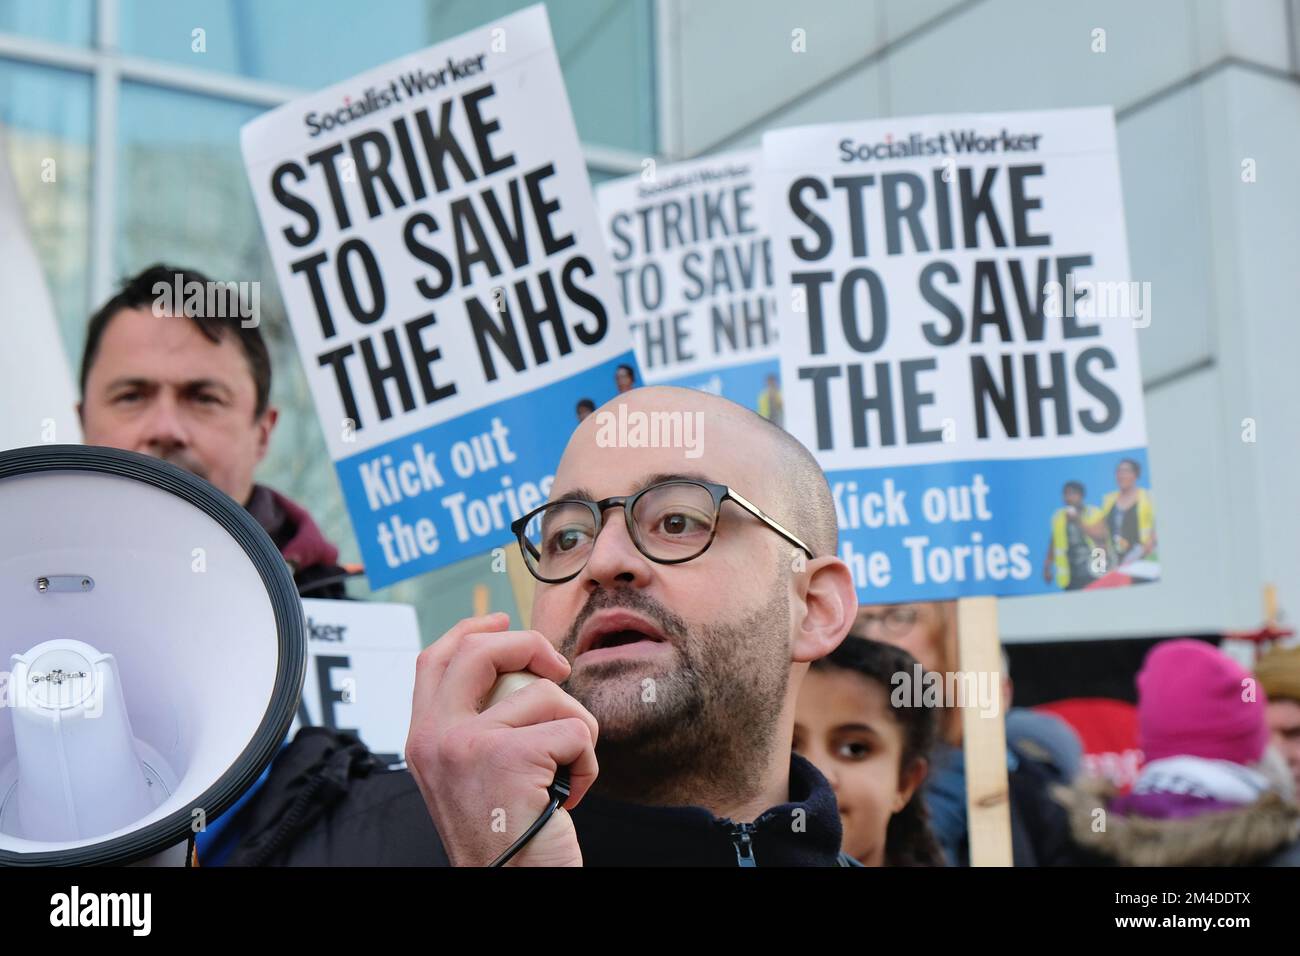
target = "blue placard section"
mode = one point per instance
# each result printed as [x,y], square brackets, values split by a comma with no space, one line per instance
[451,491]
[742,384]
[935,532]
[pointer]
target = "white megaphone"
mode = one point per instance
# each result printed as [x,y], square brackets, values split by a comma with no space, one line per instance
[152,652]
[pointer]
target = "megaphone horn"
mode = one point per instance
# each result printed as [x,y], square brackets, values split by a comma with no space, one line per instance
[156,649]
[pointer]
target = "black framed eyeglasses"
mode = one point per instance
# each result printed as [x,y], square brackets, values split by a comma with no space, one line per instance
[670,522]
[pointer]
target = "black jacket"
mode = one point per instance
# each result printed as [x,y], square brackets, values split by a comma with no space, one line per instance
[329,802]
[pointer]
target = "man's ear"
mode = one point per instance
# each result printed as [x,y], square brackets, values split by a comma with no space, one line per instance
[830,604]
[265,425]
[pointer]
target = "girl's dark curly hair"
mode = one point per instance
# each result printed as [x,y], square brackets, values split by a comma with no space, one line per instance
[908,839]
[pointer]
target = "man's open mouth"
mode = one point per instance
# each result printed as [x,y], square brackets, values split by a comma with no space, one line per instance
[608,631]
[620,639]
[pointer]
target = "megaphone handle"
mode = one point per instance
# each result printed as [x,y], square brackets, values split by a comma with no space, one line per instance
[558,791]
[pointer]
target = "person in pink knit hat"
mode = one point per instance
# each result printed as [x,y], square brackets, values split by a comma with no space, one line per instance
[1212,791]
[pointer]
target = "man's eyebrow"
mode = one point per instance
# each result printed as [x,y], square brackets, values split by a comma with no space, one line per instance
[198,383]
[138,381]
[575,494]
[585,494]
[135,381]
[674,476]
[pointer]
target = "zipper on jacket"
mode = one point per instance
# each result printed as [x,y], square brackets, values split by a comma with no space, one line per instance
[742,837]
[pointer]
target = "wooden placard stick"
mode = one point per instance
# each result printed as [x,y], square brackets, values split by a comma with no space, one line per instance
[522,583]
[984,738]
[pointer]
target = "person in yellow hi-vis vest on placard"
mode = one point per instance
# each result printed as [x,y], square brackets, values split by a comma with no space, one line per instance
[1128,517]
[1070,549]
[770,403]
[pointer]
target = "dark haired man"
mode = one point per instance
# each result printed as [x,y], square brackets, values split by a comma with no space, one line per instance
[187,379]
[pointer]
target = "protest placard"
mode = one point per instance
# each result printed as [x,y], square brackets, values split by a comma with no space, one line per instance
[959,349]
[438,250]
[360,670]
[694,271]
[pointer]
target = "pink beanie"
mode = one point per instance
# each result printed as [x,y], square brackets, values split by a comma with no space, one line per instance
[1190,703]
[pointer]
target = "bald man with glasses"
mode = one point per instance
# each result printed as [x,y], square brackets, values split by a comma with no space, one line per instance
[679,604]
[680,600]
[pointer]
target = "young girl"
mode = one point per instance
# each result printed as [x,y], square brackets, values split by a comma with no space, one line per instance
[874,755]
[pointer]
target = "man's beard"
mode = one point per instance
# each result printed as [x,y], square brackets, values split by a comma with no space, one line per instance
[699,728]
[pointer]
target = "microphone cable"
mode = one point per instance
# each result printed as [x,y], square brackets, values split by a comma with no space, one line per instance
[559,792]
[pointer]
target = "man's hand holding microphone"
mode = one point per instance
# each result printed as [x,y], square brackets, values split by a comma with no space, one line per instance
[484,763]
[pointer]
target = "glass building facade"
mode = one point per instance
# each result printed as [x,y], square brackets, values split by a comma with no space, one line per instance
[138,104]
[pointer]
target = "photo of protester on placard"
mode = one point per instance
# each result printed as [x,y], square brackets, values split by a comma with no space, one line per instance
[1071,550]
[1104,545]
[770,403]
[1129,515]
[1128,525]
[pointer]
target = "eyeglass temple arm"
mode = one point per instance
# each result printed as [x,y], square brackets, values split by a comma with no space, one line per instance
[757,512]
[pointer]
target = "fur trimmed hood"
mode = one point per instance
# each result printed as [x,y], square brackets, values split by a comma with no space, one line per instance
[1244,836]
